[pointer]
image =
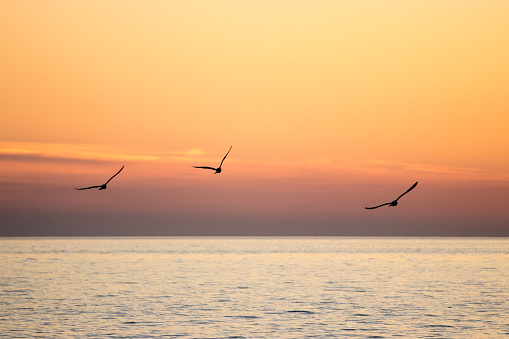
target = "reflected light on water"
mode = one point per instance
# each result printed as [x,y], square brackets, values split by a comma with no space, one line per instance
[254,287]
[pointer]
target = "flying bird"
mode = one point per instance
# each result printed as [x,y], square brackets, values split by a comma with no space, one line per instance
[103,186]
[217,170]
[395,202]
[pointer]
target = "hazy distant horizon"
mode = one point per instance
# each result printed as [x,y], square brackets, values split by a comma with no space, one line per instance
[102,230]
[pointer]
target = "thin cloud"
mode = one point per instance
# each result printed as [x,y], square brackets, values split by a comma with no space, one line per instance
[52,153]
[36,157]
[46,152]
[437,171]
[426,168]
[185,155]
[192,152]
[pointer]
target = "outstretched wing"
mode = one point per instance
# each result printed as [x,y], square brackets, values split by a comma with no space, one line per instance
[372,208]
[225,156]
[87,188]
[408,190]
[205,167]
[115,175]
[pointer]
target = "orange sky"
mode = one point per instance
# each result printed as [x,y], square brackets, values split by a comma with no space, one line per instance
[330,106]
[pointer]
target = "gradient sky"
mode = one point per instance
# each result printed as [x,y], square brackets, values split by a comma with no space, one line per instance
[330,106]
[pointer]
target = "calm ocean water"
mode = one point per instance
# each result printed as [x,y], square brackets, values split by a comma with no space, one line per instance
[254,288]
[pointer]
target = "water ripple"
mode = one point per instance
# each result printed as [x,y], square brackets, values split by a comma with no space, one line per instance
[254,288]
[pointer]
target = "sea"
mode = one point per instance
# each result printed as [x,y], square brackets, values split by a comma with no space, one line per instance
[254,287]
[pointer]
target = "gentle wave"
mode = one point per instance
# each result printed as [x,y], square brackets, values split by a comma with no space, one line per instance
[254,287]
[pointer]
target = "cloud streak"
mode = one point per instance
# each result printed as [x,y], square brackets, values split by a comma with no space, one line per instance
[436,172]
[71,153]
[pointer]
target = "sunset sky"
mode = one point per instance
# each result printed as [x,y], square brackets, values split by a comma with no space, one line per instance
[330,106]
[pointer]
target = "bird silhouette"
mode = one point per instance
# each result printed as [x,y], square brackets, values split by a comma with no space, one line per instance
[217,170]
[395,202]
[103,186]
